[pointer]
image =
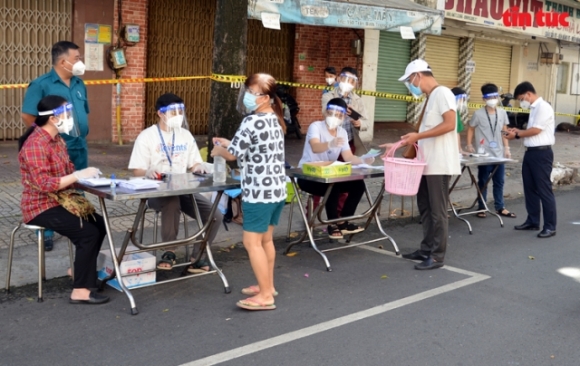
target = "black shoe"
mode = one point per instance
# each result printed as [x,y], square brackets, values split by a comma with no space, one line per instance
[416,256]
[429,263]
[526,226]
[48,244]
[94,299]
[547,233]
[346,228]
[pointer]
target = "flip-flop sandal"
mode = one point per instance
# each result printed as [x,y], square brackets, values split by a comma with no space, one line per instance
[197,267]
[506,213]
[481,215]
[334,232]
[251,304]
[167,258]
[348,228]
[254,290]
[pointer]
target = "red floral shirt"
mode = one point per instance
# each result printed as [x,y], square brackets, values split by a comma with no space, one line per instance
[43,161]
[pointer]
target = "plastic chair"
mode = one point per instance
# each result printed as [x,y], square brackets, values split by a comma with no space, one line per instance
[41,263]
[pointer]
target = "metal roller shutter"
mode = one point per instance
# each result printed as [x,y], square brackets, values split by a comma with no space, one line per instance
[492,65]
[394,53]
[442,55]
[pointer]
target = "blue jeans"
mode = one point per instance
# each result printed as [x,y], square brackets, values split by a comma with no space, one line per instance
[497,179]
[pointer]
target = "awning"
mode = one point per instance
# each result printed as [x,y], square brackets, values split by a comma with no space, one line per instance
[387,15]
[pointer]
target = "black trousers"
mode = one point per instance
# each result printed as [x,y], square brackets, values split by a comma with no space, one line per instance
[536,170]
[87,240]
[355,190]
[433,200]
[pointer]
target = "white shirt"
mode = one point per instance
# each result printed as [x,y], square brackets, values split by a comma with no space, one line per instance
[259,146]
[442,152]
[148,151]
[319,130]
[541,117]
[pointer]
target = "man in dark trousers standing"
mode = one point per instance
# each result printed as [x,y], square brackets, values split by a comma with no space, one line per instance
[538,160]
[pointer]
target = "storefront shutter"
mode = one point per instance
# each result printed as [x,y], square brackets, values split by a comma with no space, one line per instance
[442,55]
[492,65]
[394,54]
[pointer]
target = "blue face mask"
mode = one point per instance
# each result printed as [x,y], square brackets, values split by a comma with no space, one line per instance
[415,90]
[250,101]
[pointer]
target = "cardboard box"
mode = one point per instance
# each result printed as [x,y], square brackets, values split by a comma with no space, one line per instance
[325,169]
[131,268]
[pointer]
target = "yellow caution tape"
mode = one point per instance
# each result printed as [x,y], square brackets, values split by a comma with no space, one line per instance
[242,78]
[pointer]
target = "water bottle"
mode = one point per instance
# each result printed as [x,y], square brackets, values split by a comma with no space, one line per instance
[219,169]
[113,184]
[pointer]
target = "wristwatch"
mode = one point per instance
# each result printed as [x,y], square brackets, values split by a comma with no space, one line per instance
[517,136]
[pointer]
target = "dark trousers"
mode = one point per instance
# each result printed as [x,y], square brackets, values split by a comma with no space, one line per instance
[171,208]
[433,200]
[87,240]
[355,190]
[536,170]
[497,179]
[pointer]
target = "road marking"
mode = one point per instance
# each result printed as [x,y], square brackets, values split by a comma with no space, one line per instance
[344,320]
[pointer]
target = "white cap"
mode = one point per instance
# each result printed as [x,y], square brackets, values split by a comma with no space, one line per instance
[417,65]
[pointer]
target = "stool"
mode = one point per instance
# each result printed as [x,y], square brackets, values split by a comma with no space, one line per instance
[41,267]
[155,220]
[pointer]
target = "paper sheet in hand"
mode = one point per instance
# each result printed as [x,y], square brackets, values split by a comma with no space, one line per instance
[138,184]
[371,153]
[96,182]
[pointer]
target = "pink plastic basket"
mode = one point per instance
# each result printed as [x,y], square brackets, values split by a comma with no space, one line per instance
[402,176]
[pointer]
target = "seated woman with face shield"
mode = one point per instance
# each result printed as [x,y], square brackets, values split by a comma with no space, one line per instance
[169,148]
[47,172]
[326,141]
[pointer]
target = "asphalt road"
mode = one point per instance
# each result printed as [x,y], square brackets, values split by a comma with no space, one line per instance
[500,300]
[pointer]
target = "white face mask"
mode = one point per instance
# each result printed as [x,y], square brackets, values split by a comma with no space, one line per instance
[78,68]
[333,122]
[346,87]
[174,122]
[330,81]
[525,104]
[65,125]
[491,103]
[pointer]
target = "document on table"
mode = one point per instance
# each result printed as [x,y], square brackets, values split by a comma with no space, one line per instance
[367,166]
[96,182]
[138,184]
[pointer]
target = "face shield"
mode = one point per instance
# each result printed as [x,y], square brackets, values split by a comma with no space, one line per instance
[461,100]
[247,100]
[347,82]
[491,99]
[174,115]
[66,123]
[334,116]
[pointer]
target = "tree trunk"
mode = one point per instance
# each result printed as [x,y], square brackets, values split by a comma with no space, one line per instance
[229,58]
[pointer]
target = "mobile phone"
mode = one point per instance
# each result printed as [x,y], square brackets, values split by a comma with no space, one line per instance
[354,114]
[202,175]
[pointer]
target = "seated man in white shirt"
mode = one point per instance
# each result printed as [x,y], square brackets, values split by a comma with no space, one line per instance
[169,148]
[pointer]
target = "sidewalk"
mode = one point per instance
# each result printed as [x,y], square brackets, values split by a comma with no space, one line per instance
[111,158]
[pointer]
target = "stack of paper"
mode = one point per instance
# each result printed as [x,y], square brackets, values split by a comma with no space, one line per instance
[138,184]
[96,182]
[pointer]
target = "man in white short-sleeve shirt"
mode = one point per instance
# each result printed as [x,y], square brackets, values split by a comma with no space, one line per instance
[437,139]
[538,159]
[167,148]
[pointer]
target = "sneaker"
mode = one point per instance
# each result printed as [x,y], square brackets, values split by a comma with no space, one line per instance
[48,244]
